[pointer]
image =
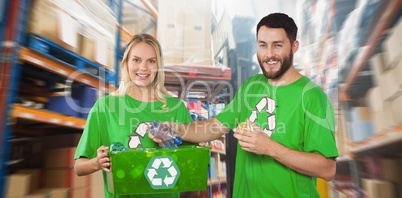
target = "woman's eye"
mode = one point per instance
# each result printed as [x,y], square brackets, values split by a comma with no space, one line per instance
[152,61]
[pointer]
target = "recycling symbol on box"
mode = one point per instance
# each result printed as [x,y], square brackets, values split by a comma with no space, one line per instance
[162,172]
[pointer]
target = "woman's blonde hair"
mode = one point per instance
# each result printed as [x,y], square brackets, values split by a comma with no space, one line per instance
[159,81]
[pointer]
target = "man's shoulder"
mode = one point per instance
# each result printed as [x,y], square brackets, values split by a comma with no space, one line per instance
[256,78]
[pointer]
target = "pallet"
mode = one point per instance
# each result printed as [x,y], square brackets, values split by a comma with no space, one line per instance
[67,57]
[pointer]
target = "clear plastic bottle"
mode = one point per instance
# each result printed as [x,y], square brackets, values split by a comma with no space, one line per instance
[168,135]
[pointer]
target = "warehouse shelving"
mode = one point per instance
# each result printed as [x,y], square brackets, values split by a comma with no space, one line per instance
[44,116]
[387,143]
[62,69]
[354,81]
[25,49]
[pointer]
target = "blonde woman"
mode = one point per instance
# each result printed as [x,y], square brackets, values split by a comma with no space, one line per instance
[123,115]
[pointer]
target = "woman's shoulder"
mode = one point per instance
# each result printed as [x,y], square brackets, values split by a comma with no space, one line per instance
[172,100]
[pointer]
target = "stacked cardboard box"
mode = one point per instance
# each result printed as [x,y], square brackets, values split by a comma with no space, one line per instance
[391,172]
[378,188]
[184,31]
[386,97]
[361,124]
[76,27]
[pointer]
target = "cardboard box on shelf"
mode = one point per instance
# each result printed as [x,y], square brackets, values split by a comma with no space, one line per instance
[391,170]
[393,46]
[184,30]
[53,23]
[197,33]
[390,85]
[378,188]
[170,32]
[377,63]
[36,175]
[97,189]
[18,185]
[39,194]
[83,192]
[59,158]
[64,178]
[60,141]
[56,192]
[360,129]
[396,107]
[383,119]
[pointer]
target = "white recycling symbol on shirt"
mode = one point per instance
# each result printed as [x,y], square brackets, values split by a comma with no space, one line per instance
[271,120]
[162,172]
[135,140]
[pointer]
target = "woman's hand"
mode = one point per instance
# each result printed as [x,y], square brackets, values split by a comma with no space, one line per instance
[102,159]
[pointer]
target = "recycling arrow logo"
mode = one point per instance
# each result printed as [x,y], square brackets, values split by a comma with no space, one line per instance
[162,172]
[270,105]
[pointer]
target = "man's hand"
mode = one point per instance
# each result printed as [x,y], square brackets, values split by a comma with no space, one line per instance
[255,141]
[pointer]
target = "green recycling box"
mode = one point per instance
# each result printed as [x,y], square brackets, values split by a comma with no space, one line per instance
[154,170]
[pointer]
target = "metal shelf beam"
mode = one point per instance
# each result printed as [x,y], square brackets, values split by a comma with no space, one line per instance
[61,69]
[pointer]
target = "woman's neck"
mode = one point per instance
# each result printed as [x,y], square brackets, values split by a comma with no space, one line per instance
[143,94]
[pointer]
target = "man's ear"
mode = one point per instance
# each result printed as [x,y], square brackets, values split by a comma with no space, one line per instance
[295,46]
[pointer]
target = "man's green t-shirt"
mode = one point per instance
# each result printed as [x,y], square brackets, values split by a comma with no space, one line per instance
[298,116]
[123,119]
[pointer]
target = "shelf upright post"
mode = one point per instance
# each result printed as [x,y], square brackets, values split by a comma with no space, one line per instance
[14,33]
[118,40]
[353,164]
[3,13]
[354,171]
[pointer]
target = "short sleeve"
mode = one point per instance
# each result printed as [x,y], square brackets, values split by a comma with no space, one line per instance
[90,139]
[319,132]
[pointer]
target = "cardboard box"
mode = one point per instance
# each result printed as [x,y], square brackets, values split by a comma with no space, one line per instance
[381,111]
[60,158]
[43,193]
[379,188]
[360,129]
[390,85]
[54,24]
[171,30]
[65,178]
[393,46]
[396,106]
[184,30]
[377,63]
[97,188]
[56,192]
[18,185]
[197,33]
[80,192]
[60,141]
[391,169]
[36,175]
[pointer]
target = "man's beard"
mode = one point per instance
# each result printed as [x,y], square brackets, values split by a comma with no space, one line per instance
[285,65]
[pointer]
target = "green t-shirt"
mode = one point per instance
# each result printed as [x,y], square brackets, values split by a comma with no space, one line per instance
[299,116]
[123,119]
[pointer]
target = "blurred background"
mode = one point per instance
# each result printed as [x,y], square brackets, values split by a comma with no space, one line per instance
[59,56]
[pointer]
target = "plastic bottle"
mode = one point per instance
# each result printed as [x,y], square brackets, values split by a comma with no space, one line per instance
[168,135]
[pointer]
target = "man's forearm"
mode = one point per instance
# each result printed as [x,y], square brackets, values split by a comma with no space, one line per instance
[311,164]
[202,131]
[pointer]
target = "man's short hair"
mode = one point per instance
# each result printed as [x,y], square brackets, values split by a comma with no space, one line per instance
[280,20]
